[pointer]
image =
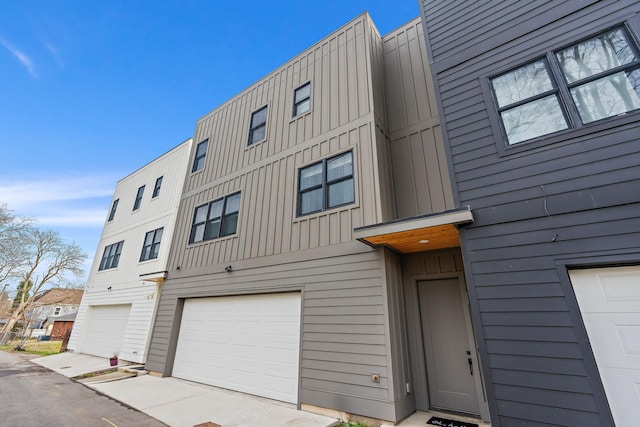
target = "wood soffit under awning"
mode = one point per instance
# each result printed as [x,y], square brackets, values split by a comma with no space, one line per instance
[157,277]
[417,234]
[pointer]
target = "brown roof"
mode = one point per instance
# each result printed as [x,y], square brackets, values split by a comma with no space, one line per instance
[60,296]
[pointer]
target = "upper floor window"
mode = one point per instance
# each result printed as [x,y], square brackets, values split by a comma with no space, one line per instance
[201,154]
[112,213]
[258,126]
[56,311]
[302,99]
[156,188]
[585,82]
[215,219]
[136,204]
[111,256]
[151,245]
[326,184]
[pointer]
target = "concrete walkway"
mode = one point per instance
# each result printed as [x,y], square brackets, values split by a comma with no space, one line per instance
[180,403]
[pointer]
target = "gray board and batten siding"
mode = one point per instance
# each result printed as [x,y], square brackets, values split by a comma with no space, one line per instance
[568,200]
[351,316]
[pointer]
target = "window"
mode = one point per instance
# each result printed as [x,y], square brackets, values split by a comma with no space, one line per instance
[258,127]
[302,99]
[156,188]
[326,184]
[577,85]
[136,204]
[111,256]
[56,311]
[215,219]
[151,245]
[114,206]
[201,154]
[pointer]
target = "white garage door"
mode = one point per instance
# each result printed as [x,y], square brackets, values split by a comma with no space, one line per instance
[244,343]
[609,299]
[105,329]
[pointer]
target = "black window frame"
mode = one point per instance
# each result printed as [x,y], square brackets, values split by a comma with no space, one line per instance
[208,222]
[562,88]
[253,128]
[200,156]
[325,185]
[156,187]
[112,212]
[138,200]
[151,249]
[111,256]
[298,102]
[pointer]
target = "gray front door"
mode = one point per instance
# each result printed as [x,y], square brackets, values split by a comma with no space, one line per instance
[448,346]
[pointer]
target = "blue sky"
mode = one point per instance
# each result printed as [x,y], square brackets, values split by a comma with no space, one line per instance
[91,91]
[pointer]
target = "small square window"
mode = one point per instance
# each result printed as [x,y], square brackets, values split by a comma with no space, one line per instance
[258,127]
[56,311]
[302,99]
[215,219]
[201,154]
[112,213]
[111,256]
[156,188]
[326,184]
[136,204]
[151,245]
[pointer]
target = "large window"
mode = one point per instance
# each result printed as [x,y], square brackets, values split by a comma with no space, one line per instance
[136,204]
[585,82]
[111,256]
[215,219]
[112,213]
[326,184]
[201,154]
[151,245]
[258,126]
[156,188]
[302,99]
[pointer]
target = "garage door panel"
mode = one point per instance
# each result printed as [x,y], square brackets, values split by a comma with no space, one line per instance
[609,301]
[245,343]
[106,329]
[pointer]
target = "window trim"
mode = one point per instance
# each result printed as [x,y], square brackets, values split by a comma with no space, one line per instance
[138,201]
[576,128]
[294,111]
[252,130]
[156,187]
[111,259]
[223,216]
[152,245]
[325,185]
[203,156]
[112,212]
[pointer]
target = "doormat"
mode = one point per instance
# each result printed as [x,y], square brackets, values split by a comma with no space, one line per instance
[445,422]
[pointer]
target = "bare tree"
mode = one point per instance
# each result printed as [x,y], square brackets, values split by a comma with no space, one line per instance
[50,262]
[13,251]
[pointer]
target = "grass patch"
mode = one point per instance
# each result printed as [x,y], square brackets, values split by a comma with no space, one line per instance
[344,424]
[33,346]
[94,374]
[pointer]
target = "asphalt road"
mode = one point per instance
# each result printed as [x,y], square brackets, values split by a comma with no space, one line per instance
[31,395]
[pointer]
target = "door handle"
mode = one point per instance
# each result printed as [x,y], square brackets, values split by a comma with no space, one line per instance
[470,362]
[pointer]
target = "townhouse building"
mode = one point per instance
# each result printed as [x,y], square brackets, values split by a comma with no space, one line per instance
[539,105]
[120,299]
[315,258]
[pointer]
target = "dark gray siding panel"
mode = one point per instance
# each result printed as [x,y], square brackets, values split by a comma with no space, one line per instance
[574,198]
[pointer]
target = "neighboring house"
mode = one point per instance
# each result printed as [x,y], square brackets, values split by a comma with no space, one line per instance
[316,258]
[129,267]
[540,111]
[53,303]
[61,325]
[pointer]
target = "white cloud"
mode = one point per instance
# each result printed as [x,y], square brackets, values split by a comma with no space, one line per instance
[54,52]
[20,56]
[78,201]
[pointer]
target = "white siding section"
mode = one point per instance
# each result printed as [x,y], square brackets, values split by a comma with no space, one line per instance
[123,284]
